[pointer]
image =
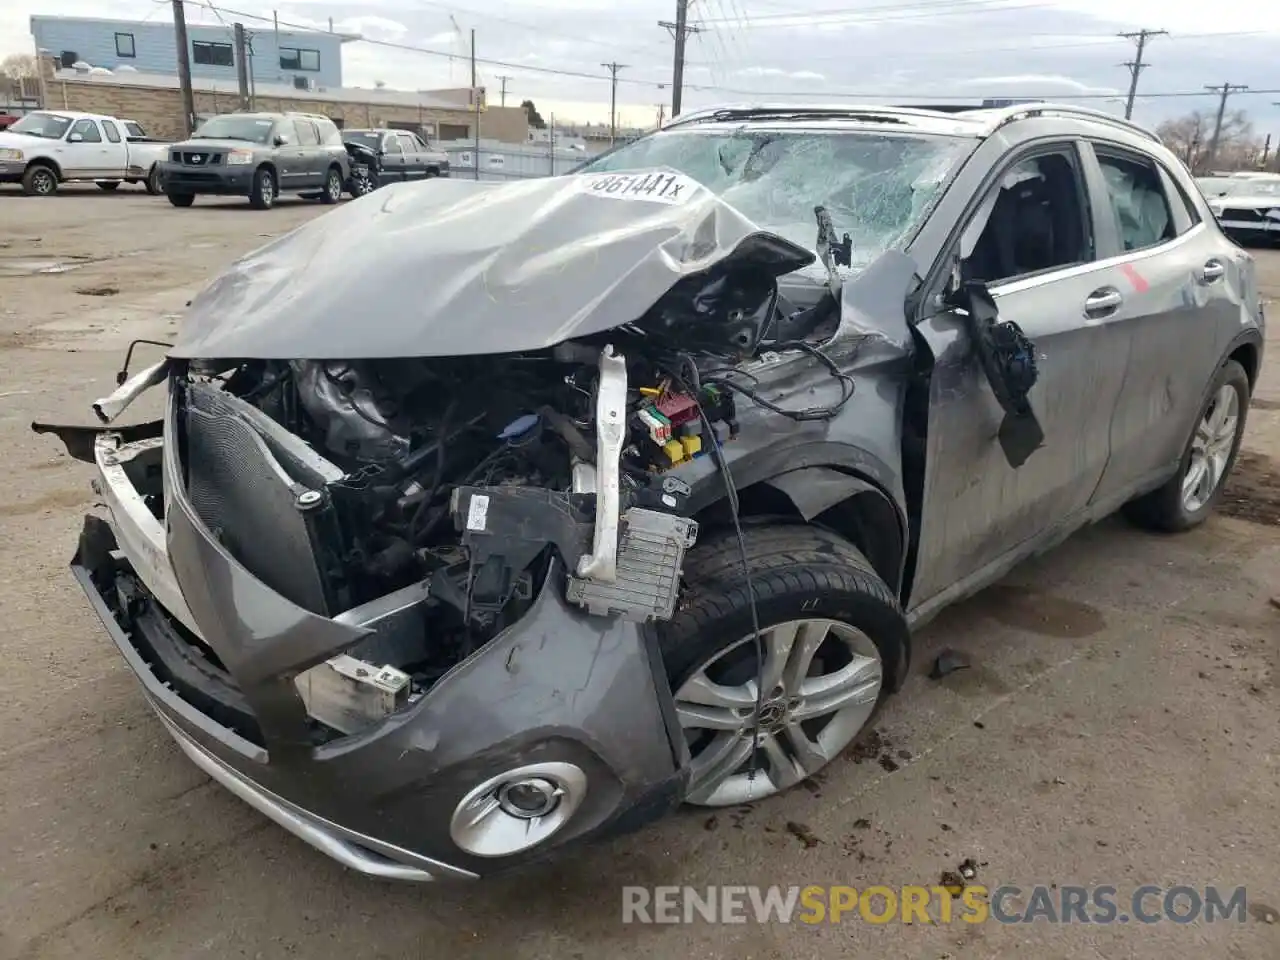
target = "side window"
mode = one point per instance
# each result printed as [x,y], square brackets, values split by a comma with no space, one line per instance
[110,130]
[307,136]
[328,132]
[391,144]
[134,132]
[88,130]
[1036,221]
[419,143]
[1178,195]
[1137,197]
[407,142]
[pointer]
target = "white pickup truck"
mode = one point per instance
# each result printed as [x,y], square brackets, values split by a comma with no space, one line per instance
[49,147]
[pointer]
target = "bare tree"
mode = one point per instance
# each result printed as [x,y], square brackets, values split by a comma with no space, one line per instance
[19,66]
[1190,136]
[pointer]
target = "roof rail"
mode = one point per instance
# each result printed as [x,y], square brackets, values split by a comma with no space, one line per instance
[1002,116]
[851,111]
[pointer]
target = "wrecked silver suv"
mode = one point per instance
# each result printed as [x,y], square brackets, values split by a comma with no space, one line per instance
[484,518]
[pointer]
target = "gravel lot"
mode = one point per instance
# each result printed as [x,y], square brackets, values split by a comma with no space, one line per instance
[1119,725]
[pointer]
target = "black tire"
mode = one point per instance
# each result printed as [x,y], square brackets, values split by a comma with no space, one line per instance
[263,193]
[152,183]
[108,185]
[182,199]
[332,186]
[797,572]
[40,180]
[1165,509]
[432,172]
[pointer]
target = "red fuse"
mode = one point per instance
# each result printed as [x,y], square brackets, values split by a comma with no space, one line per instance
[678,408]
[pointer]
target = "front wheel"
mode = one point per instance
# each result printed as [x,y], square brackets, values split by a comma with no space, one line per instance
[332,186]
[263,194]
[362,181]
[834,644]
[39,181]
[1191,494]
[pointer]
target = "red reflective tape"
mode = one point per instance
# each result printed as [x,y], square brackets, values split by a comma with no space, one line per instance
[1138,280]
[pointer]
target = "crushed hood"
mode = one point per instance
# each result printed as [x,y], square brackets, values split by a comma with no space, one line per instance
[453,267]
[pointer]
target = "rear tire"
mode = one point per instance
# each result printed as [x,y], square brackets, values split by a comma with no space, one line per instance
[39,180]
[182,199]
[152,183]
[1184,502]
[800,575]
[263,194]
[332,186]
[108,185]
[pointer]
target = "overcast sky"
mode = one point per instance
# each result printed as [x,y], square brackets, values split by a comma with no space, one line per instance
[777,49]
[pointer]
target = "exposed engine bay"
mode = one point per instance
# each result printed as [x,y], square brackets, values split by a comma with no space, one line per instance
[340,482]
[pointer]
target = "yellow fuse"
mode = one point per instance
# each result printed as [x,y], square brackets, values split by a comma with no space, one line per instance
[692,445]
[674,450]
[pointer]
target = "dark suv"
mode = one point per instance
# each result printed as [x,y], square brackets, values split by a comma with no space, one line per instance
[259,156]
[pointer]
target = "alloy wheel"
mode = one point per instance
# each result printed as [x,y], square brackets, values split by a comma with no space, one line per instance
[43,183]
[1211,448]
[821,682]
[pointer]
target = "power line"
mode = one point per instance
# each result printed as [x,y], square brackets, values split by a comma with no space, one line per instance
[660,84]
[922,8]
[1136,65]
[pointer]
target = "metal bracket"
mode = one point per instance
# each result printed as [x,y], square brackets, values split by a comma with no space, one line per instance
[611,417]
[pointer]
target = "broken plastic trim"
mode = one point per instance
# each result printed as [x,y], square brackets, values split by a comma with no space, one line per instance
[611,408]
[114,404]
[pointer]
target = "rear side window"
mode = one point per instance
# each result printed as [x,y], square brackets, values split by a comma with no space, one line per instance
[1143,215]
[328,132]
[110,130]
[307,136]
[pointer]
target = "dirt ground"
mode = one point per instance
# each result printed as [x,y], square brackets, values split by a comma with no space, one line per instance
[1119,724]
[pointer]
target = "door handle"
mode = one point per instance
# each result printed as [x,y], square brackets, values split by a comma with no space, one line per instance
[1102,302]
[1213,270]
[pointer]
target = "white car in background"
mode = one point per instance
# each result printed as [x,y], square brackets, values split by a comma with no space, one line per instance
[49,147]
[1247,206]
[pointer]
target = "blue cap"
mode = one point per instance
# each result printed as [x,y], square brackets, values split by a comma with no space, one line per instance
[518,427]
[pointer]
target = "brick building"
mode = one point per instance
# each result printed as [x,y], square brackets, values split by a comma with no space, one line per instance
[156,103]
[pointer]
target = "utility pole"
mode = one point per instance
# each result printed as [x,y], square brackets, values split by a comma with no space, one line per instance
[613,69]
[475,99]
[242,65]
[504,80]
[1226,89]
[1136,65]
[184,67]
[680,31]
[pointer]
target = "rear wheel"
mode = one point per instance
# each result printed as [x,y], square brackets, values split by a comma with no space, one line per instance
[108,185]
[182,199]
[1191,494]
[263,194]
[39,181]
[332,186]
[152,183]
[834,645]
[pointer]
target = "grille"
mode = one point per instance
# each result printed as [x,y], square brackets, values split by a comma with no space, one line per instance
[193,159]
[1240,213]
[243,494]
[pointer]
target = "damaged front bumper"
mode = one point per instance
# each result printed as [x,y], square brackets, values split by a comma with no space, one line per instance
[559,698]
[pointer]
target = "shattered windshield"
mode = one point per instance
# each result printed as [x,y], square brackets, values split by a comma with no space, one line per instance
[876,186]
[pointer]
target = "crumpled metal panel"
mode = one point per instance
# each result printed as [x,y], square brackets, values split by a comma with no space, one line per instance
[456,267]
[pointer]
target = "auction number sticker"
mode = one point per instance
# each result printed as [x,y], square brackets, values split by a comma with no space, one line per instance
[670,188]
